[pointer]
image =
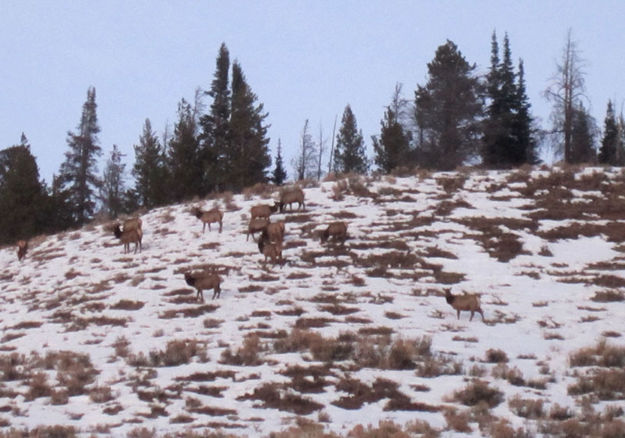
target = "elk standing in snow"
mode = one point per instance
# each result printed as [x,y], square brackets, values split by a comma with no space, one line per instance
[290,196]
[468,302]
[133,235]
[256,225]
[337,231]
[263,210]
[22,247]
[214,215]
[271,250]
[204,280]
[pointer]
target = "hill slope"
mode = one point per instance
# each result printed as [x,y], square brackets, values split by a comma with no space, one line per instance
[110,343]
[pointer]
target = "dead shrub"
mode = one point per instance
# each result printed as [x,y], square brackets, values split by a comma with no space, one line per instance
[297,340]
[605,384]
[248,354]
[276,396]
[458,421]
[101,394]
[608,296]
[177,352]
[477,392]
[74,371]
[496,356]
[602,354]
[526,408]
[438,365]
[128,305]
[38,387]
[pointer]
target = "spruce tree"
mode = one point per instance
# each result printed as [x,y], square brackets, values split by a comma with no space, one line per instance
[392,148]
[113,190]
[183,156]
[247,154]
[523,131]
[610,147]
[78,174]
[448,110]
[150,169]
[582,148]
[22,195]
[349,155]
[214,127]
[279,173]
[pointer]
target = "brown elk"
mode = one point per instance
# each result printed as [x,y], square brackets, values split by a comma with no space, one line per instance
[468,302]
[22,247]
[290,196]
[129,236]
[271,250]
[263,210]
[132,223]
[256,225]
[274,232]
[214,215]
[337,231]
[204,280]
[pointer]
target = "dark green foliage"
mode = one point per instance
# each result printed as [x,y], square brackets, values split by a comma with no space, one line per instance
[248,152]
[279,174]
[447,111]
[215,127]
[508,135]
[78,174]
[21,194]
[150,169]
[349,155]
[392,148]
[611,151]
[183,156]
[582,139]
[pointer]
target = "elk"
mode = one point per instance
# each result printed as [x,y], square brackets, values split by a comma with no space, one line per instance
[22,247]
[204,280]
[468,302]
[129,236]
[337,231]
[133,223]
[274,232]
[263,210]
[271,250]
[208,217]
[290,196]
[256,225]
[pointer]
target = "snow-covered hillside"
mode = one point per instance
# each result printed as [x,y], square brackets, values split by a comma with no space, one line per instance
[112,344]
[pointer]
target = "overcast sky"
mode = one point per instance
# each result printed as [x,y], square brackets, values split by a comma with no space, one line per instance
[303,59]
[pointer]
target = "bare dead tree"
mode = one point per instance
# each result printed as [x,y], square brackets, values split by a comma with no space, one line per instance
[566,91]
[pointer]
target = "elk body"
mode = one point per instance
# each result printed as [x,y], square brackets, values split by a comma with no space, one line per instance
[133,223]
[256,225]
[468,302]
[209,217]
[271,250]
[22,247]
[291,196]
[204,280]
[337,231]
[128,236]
[274,232]
[263,210]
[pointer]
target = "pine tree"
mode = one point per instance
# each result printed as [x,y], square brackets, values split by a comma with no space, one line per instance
[448,110]
[349,155]
[523,131]
[150,169]
[248,152]
[183,156]
[21,194]
[609,152]
[78,174]
[214,127]
[113,189]
[392,148]
[279,173]
[582,148]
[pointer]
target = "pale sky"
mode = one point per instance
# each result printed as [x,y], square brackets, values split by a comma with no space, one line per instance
[303,59]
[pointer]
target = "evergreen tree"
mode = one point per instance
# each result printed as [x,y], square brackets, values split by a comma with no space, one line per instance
[582,148]
[448,110]
[21,194]
[279,173]
[78,174]
[248,155]
[349,155]
[214,127]
[305,163]
[183,155]
[610,152]
[523,130]
[150,169]
[392,148]
[113,189]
